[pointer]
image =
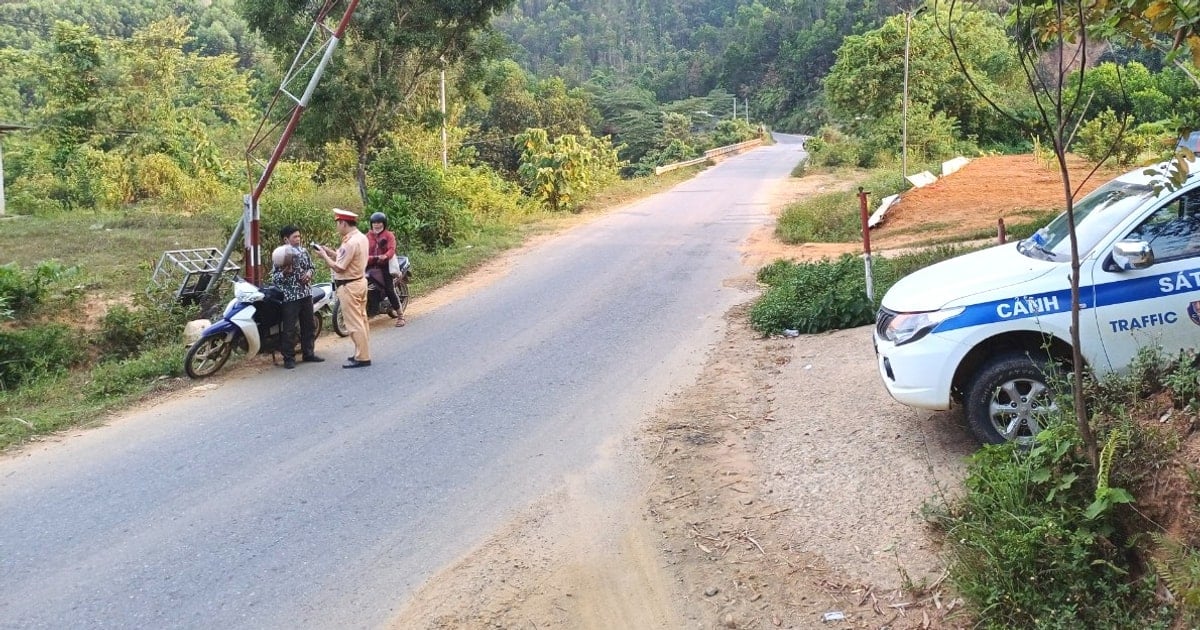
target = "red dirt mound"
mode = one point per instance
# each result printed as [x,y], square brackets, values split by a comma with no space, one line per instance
[1012,187]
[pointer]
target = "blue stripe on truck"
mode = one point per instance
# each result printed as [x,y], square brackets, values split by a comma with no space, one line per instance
[1051,302]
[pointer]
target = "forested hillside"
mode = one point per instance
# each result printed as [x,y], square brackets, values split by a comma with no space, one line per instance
[214,24]
[772,52]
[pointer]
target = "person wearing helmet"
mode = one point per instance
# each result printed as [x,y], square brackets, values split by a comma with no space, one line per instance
[292,272]
[382,249]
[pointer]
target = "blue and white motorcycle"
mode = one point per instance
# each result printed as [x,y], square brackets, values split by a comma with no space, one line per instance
[251,324]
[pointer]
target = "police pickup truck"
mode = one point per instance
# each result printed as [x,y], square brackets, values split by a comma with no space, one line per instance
[982,329]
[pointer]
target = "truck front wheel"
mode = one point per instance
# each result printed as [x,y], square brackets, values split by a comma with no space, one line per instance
[1010,398]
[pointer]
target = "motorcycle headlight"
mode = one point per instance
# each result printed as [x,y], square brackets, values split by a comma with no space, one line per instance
[246,292]
[908,327]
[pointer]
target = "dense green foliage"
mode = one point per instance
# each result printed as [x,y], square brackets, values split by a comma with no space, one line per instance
[36,351]
[1043,539]
[771,52]
[1028,548]
[21,290]
[560,172]
[831,294]
[383,66]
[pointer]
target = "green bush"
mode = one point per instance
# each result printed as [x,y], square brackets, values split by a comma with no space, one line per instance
[33,352]
[674,151]
[21,290]
[151,322]
[814,297]
[134,375]
[295,200]
[421,209]
[487,196]
[1098,137]
[1027,548]
[836,151]
[932,136]
[729,132]
[830,295]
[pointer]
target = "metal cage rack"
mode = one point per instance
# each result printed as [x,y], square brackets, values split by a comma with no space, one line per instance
[191,272]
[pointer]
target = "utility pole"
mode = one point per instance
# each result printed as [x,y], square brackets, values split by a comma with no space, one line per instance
[1,174]
[442,101]
[735,108]
[318,61]
[908,18]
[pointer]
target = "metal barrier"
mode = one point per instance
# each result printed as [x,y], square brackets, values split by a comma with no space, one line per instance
[710,154]
[733,148]
[659,170]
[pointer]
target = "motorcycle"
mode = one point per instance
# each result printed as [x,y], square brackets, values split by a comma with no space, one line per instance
[377,302]
[251,323]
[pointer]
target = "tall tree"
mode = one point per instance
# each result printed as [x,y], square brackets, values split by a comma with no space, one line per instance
[865,83]
[73,82]
[390,48]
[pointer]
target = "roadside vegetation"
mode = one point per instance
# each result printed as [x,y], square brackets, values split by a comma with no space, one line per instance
[131,138]
[78,341]
[1041,537]
[1034,544]
[129,129]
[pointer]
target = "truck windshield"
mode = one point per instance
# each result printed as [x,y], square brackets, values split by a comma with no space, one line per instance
[1095,217]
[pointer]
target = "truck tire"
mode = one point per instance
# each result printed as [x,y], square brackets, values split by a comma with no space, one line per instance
[1009,398]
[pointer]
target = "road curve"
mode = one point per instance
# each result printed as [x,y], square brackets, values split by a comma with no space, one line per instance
[317,497]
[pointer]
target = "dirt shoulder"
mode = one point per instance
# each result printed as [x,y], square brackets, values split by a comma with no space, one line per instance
[783,486]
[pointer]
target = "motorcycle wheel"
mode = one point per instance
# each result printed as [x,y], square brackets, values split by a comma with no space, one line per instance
[402,294]
[339,321]
[318,323]
[206,356]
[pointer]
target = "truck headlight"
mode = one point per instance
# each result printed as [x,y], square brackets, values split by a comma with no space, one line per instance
[909,327]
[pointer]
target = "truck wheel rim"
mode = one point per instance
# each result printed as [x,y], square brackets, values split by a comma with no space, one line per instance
[1018,407]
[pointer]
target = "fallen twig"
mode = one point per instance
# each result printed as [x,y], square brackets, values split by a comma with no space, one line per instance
[661,446]
[679,496]
[769,514]
[747,536]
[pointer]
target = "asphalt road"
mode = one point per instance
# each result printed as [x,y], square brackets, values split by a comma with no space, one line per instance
[322,497]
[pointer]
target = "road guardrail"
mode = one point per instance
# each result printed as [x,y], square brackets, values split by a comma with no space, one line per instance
[733,149]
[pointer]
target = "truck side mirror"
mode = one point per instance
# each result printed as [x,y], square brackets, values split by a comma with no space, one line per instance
[1129,255]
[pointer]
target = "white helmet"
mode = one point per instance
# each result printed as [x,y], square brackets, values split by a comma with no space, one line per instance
[282,256]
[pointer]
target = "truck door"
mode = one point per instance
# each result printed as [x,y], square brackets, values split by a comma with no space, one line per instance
[1158,305]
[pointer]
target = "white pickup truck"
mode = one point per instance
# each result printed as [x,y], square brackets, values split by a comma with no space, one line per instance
[982,328]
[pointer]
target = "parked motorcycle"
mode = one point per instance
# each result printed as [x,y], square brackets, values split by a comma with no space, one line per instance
[377,302]
[251,323]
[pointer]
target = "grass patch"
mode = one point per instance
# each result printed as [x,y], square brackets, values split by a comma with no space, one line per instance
[116,252]
[1026,552]
[833,217]
[1041,538]
[826,218]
